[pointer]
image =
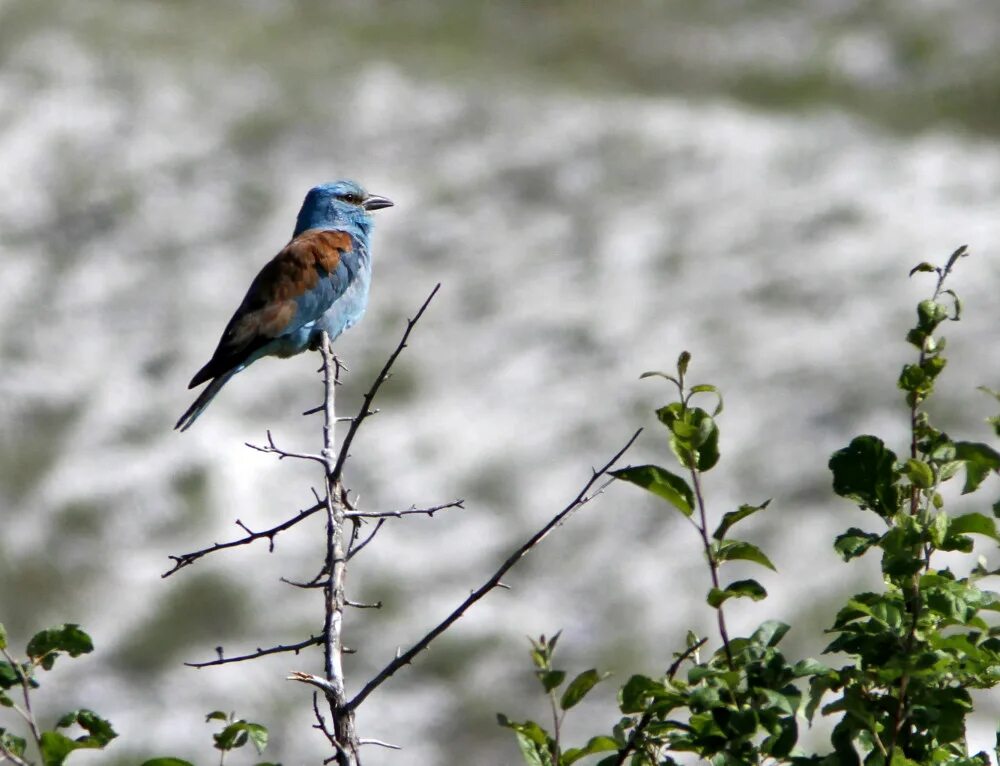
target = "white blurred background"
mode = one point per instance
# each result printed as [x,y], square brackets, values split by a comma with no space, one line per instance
[596,191]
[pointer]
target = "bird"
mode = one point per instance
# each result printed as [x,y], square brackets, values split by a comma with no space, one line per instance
[318,282]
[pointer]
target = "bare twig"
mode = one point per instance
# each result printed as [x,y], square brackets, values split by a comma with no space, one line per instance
[321,723]
[186,559]
[272,449]
[353,550]
[412,510]
[280,648]
[380,743]
[383,376]
[406,657]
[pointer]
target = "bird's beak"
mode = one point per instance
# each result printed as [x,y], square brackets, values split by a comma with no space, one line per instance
[375,202]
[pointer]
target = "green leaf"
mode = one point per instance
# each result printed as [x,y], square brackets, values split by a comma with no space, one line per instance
[531,739]
[595,745]
[551,678]
[578,688]
[864,471]
[653,374]
[99,730]
[786,703]
[737,550]
[738,589]
[55,747]
[167,762]
[810,667]
[682,363]
[919,473]
[729,519]
[13,743]
[632,697]
[3,636]
[979,460]
[232,736]
[818,686]
[923,266]
[770,633]
[974,524]
[694,436]
[9,675]
[216,715]
[705,388]
[258,736]
[661,483]
[45,646]
[854,542]
[930,314]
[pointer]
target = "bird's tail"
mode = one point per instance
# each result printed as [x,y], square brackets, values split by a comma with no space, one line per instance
[204,398]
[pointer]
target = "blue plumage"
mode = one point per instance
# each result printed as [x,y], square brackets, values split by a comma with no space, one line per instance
[318,282]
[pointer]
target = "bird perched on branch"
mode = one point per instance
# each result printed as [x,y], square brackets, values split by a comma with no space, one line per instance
[318,282]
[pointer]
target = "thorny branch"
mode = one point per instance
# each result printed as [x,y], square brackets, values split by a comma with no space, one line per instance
[494,581]
[280,648]
[186,559]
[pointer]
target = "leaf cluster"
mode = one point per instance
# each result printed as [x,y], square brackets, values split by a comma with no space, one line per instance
[915,648]
[20,678]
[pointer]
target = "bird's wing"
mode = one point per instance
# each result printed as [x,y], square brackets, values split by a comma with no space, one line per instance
[296,287]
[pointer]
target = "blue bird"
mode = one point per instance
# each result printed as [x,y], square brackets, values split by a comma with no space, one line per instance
[318,282]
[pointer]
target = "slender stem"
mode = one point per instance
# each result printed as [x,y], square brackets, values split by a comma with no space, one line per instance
[27,714]
[556,725]
[8,755]
[713,565]
[914,602]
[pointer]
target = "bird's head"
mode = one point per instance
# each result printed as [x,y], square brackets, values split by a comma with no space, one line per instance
[339,205]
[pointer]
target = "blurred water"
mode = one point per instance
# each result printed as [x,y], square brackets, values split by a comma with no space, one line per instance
[155,158]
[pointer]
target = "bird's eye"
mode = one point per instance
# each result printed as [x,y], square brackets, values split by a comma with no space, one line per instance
[354,199]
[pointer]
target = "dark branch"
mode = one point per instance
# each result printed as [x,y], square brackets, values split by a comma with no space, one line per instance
[354,550]
[311,641]
[494,581]
[383,376]
[185,559]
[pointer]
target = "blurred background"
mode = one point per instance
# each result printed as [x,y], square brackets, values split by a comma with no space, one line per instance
[597,186]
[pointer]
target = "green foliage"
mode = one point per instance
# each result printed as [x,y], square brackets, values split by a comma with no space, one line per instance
[55,745]
[234,734]
[915,648]
[19,678]
[538,747]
